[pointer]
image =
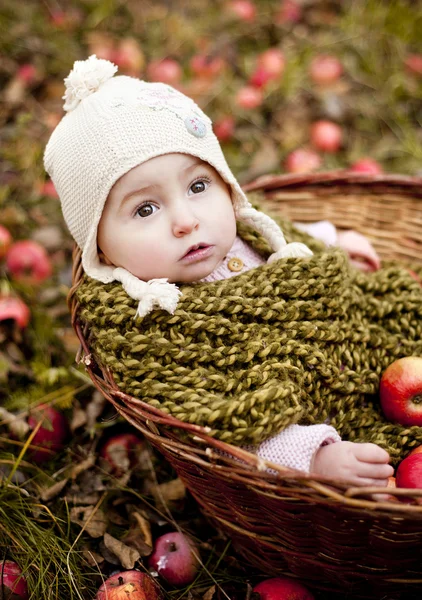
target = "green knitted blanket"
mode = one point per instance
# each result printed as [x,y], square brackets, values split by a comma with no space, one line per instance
[297,341]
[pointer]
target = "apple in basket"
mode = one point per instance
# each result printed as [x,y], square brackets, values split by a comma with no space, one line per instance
[409,473]
[129,585]
[12,583]
[175,558]
[417,450]
[282,588]
[401,391]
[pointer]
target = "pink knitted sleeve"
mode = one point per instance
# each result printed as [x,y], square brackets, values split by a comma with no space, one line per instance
[296,445]
[321,230]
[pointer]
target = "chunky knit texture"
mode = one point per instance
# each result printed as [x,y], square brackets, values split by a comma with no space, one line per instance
[295,341]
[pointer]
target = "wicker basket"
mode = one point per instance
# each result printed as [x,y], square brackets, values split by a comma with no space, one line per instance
[330,536]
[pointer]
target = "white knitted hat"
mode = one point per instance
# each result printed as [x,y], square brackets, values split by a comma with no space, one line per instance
[114,124]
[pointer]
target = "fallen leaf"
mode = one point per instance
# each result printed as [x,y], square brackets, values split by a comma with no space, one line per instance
[53,490]
[209,594]
[126,555]
[82,466]
[139,535]
[92,520]
[94,409]
[91,557]
[169,492]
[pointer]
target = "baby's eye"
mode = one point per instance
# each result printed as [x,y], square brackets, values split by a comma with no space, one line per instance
[199,186]
[146,210]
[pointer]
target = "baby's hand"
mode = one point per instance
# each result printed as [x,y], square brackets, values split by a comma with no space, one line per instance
[359,464]
[362,254]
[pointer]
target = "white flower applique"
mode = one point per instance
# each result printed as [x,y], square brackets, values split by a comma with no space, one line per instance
[164,97]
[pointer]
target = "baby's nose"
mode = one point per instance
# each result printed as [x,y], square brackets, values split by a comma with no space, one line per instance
[184,223]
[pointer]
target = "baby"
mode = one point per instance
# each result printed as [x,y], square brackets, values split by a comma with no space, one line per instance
[149,198]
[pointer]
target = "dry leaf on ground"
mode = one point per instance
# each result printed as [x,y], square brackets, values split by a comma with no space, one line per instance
[126,554]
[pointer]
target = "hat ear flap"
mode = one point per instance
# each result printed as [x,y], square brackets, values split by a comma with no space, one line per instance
[155,293]
[269,229]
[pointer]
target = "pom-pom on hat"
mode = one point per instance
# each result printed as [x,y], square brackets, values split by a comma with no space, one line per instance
[113,124]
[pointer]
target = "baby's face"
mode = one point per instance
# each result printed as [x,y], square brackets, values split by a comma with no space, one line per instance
[171,216]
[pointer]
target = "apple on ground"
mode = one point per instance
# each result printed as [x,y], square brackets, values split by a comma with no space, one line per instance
[302,160]
[366,165]
[326,136]
[174,558]
[52,434]
[121,452]
[325,69]
[413,63]
[401,391]
[224,128]
[28,262]
[249,97]
[282,588]
[12,307]
[129,585]
[12,583]
[290,12]
[166,70]
[243,9]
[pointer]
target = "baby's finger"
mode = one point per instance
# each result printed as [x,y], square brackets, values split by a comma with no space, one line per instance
[372,482]
[371,453]
[362,266]
[374,470]
[368,253]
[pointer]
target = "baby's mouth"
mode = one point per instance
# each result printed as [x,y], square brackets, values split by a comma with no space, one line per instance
[197,252]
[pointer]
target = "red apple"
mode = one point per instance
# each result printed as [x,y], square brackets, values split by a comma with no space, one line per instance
[129,57]
[249,97]
[27,73]
[417,450]
[272,61]
[290,12]
[12,583]
[5,241]
[259,78]
[409,472]
[121,452]
[413,63]
[28,262]
[302,161]
[166,70]
[224,128]
[282,588]
[366,165]
[325,69]
[326,136]
[12,307]
[401,391]
[174,558]
[207,66]
[48,189]
[244,9]
[51,436]
[129,585]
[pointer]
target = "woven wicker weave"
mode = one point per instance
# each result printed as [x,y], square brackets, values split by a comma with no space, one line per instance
[330,536]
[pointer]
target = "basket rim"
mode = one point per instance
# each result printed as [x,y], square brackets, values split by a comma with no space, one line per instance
[270,181]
